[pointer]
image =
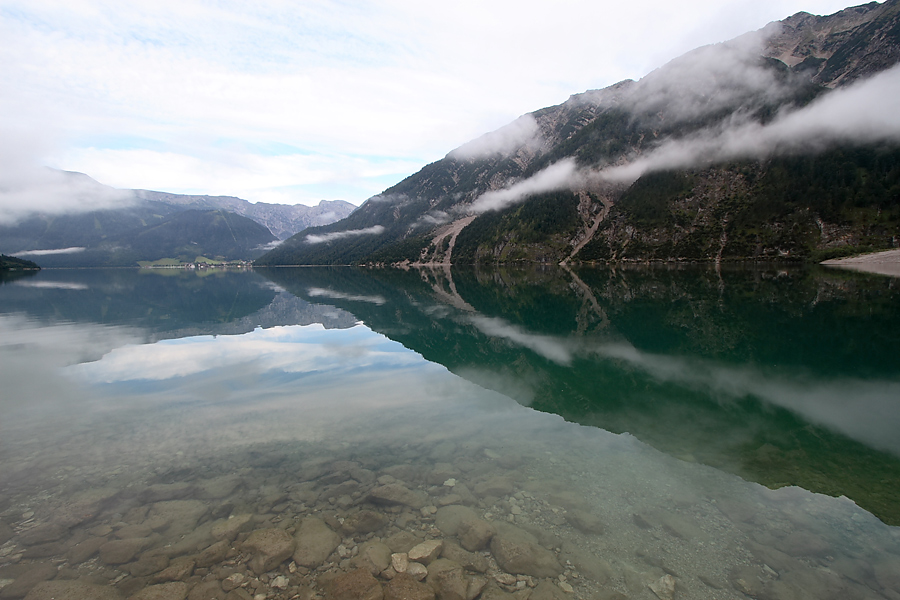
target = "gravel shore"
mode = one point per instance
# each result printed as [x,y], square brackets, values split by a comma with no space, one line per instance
[882,263]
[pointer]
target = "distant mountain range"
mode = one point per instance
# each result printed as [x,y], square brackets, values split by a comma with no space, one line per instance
[783,144]
[151,226]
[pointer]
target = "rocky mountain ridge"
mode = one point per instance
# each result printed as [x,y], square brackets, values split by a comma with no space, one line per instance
[108,236]
[550,186]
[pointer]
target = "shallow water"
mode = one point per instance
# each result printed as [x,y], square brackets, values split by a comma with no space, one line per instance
[618,429]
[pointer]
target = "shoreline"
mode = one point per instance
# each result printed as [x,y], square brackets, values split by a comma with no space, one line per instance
[886,262]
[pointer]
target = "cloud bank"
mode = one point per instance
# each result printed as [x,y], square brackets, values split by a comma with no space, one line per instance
[337,235]
[863,113]
[26,189]
[523,131]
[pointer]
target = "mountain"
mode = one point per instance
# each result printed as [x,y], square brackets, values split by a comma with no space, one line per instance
[115,235]
[780,144]
[283,220]
[183,237]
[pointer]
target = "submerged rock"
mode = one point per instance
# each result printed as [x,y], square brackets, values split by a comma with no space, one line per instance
[176,590]
[314,542]
[269,548]
[355,585]
[394,494]
[517,552]
[72,590]
[405,587]
[448,580]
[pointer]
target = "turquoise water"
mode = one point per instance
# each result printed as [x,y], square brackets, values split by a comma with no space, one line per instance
[730,433]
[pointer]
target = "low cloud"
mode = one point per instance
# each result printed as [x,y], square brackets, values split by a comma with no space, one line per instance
[337,235]
[523,131]
[71,250]
[27,189]
[712,78]
[860,114]
[561,175]
[269,246]
[863,113]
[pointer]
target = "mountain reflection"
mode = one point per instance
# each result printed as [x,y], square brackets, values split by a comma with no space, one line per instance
[785,377]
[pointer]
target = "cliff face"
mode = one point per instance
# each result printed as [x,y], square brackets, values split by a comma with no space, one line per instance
[754,148]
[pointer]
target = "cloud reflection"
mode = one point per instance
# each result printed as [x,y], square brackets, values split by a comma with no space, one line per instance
[296,350]
[863,410]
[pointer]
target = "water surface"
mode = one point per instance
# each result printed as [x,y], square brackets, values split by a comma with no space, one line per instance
[729,433]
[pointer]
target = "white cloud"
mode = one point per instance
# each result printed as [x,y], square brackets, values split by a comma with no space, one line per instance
[561,175]
[523,131]
[337,235]
[861,113]
[72,250]
[383,87]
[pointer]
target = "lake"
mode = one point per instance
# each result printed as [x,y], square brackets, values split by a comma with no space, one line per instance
[537,433]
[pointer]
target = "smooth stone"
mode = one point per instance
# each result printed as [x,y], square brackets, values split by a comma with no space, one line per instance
[394,494]
[72,590]
[475,534]
[584,521]
[499,486]
[426,551]
[475,586]
[405,587]
[448,580]
[493,592]
[516,551]
[227,529]
[365,521]
[118,552]
[449,518]
[207,590]
[45,550]
[469,560]
[374,555]
[664,587]
[314,542]
[133,531]
[28,579]
[546,590]
[269,548]
[400,561]
[402,541]
[417,571]
[178,570]
[359,584]
[176,590]
[176,515]
[213,554]
[233,581]
[84,550]
[49,532]
[148,565]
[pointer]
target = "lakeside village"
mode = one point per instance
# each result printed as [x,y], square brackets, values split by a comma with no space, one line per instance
[201,263]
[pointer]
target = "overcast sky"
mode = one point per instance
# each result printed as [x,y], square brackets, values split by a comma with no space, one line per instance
[298,101]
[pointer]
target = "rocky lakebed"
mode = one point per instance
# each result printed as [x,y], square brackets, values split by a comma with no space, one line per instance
[445,521]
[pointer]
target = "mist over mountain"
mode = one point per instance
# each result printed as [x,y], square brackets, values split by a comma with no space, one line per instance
[783,143]
[68,219]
